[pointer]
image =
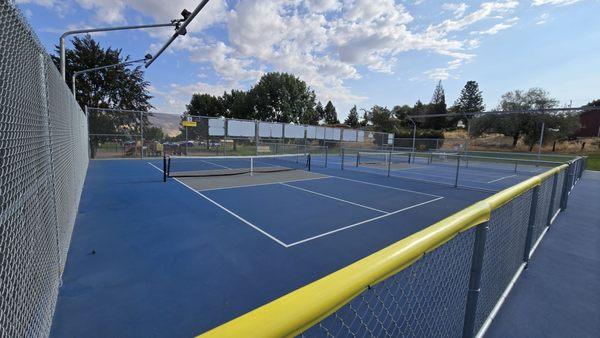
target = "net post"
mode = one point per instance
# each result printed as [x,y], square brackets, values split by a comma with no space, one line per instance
[475,279]
[516,163]
[342,165]
[357,158]
[531,223]
[389,163]
[326,155]
[308,161]
[552,197]
[164,168]
[457,171]
[251,166]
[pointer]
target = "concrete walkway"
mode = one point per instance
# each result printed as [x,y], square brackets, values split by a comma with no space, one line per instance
[558,295]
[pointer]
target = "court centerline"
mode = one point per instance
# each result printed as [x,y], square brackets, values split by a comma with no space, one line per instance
[335,198]
[501,178]
[385,186]
[361,222]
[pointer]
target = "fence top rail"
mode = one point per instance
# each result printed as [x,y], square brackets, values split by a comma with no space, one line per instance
[297,311]
[507,159]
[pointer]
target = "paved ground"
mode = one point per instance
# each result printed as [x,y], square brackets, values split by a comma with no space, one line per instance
[558,295]
[154,259]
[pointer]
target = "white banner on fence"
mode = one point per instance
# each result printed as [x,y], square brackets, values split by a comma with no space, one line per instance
[267,129]
[320,133]
[349,135]
[241,128]
[294,131]
[311,132]
[216,127]
[360,136]
[390,138]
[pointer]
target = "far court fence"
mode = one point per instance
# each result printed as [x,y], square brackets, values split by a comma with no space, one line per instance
[118,133]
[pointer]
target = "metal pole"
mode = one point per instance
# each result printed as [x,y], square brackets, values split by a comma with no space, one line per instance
[541,140]
[180,31]
[475,279]
[63,71]
[457,171]
[73,85]
[142,134]
[531,223]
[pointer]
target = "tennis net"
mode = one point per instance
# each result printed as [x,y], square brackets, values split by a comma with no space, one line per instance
[381,158]
[206,166]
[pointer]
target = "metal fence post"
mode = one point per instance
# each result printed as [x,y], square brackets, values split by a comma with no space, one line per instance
[531,223]
[389,163]
[342,164]
[475,279]
[552,197]
[566,187]
[457,171]
[142,134]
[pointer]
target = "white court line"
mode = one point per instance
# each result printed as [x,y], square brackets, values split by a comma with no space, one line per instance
[384,186]
[228,211]
[218,165]
[270,183]
[320,235]
[501,178]
[362,222]
[334,198]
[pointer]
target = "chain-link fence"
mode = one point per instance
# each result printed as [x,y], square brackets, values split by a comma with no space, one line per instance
[447,280]
[43,161]
[125,133]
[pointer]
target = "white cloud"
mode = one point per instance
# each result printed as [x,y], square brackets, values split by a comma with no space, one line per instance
[499,27]
[542,19]
[553,2]
[444,73]
[485,11]
[320,6]
[457,9]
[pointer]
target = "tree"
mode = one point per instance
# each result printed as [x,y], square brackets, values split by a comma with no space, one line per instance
[525,125]
[437,106]
[401,113]
[320,112]
[205,105]
[281,97]
[330,114]
[116,87]
[364,121]
[381,117]
[352,119]
[470,100]
[237,104]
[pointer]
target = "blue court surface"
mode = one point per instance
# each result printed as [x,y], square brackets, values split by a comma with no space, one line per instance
[155,259]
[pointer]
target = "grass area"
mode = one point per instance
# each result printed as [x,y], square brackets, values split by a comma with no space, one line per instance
[593,162]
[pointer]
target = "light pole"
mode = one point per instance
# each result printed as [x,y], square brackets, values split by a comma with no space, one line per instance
[148,56]
[174,23]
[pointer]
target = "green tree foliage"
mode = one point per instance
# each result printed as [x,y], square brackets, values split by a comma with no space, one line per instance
[237,104]
[281,97]
[437,106]
[116,87]
[381,117]
[320,111]
[352,119]
[401,113]
[331,114]
[205,105]
[469,101]
[526,125]
[364,121]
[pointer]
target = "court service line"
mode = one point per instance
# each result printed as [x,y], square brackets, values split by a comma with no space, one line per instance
[362,222]
[501,178]
[228,211]
[334,198]
[216,164]
[269,183]
[385,186]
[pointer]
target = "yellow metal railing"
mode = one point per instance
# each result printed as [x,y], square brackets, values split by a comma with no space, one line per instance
[294,313]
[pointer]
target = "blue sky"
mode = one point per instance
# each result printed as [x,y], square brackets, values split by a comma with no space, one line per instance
[362,52]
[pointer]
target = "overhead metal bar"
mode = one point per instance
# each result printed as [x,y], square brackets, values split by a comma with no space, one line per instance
[174,23]
[180,31]
[504,112]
